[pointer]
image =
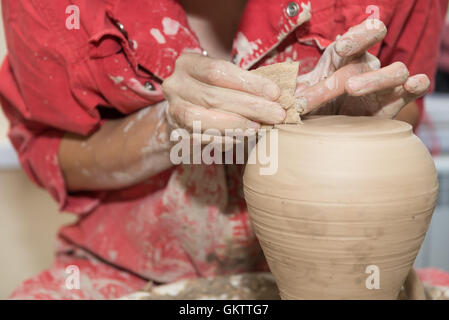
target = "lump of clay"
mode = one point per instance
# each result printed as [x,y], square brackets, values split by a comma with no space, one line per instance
[284,75]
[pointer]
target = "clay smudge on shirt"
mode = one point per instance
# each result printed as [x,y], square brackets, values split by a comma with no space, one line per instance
[157,35]
[170,26]
[244,47]
[170,52]
[304,16]
[112,254]
[117,79]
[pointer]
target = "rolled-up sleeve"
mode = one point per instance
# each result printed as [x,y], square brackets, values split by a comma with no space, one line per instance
[55,77]
[42,101]
[37,147]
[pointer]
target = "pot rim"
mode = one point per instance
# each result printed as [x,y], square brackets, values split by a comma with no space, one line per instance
[348,127]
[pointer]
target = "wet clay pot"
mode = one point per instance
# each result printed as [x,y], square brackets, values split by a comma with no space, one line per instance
[346,212]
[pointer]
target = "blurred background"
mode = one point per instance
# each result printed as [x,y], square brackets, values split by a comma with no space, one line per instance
[434,131]
[29,218]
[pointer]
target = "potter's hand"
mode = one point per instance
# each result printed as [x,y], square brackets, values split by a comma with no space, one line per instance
[348,80]
[220,95]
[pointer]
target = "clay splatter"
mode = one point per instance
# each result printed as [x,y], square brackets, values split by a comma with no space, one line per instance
[170,26]
[117,79]
[244,47]
[157,35]
[142,113]
[128,126]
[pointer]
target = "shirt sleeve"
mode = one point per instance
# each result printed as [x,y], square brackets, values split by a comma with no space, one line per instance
[37,146]
[166,29]
[58,73]
[44,93]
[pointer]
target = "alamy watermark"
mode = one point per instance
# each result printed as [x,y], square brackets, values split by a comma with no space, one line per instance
[72,281]
[72,22]
[373,21]
[373,280]
[236,145]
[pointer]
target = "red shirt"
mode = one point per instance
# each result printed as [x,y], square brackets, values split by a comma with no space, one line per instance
[189,220]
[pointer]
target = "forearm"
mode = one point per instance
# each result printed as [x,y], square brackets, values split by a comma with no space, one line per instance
[409,114]
[120,154]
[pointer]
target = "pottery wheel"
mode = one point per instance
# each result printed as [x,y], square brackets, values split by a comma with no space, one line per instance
[249,286]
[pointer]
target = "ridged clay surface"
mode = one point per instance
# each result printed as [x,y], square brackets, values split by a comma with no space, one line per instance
[349,192]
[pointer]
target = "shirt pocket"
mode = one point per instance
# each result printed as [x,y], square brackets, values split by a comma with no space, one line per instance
[319,32]
[350,12]
[333,18]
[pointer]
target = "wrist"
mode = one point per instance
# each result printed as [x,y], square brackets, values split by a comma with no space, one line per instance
[147,145]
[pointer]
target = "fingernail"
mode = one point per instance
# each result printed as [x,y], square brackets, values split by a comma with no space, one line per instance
[281,114]
[416,85]
[271,91]
[413,84]
[253,125]
[344,47]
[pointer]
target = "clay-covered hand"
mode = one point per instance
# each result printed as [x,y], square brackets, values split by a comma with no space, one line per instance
[220,95]
[348,80]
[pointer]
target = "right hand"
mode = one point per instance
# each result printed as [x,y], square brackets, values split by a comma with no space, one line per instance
[348,80]
[220,95]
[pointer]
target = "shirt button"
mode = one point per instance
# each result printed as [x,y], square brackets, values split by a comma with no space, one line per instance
[149,86]
[292,9]
[120,26]
[122,29]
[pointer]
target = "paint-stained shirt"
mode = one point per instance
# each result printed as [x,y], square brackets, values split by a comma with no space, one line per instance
[63,76]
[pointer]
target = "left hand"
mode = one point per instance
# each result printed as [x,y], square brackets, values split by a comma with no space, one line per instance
[348,79]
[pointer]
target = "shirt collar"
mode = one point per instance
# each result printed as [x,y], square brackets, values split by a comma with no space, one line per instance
[264,25]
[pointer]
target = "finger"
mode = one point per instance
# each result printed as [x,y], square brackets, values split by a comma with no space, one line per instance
[330,62]
[225,141]
[415,87]
[378,80]
[187,115]
[372,62]
[227,75]
[392,103]
[325,90]
[360,38]
[242,103]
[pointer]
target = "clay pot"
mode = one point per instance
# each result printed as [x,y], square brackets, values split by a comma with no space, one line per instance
[351,194]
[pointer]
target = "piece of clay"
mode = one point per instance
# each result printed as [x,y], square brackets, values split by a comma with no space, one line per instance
[284,75]
[346,212]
